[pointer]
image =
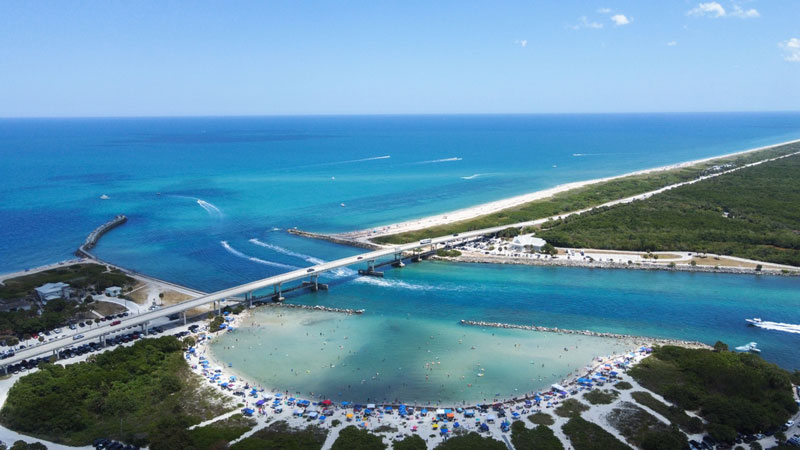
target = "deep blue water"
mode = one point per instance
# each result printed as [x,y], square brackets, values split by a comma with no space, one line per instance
[188,185]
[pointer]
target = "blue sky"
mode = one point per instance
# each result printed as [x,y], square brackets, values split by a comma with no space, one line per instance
[144,58]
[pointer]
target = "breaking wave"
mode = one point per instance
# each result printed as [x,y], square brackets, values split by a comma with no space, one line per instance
[778,326]
[286,251]
[235,252]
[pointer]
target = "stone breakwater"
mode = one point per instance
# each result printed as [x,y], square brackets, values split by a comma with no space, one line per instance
[637,339]
[335,239]
[316,308]
[614,265]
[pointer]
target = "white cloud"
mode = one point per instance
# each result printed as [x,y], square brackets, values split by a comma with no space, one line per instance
[791,49]
[583,22]
[744,13]
[672,43]
[522,42]
[620,19]
[710,9]
[604,10]
[716,10]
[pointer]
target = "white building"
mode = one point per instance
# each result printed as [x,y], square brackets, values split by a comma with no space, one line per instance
[113,291]
[524,242]
[49,291]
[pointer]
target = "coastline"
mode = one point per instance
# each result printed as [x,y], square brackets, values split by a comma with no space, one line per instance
[362,236]
[486,259]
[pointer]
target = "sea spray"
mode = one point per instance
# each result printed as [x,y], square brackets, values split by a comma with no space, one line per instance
[235,252]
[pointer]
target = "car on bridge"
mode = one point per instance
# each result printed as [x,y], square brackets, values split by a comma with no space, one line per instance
[310,270]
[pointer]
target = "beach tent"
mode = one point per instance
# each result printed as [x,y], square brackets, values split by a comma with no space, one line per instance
[440,412]
[278,395]
[326,403]
[261,402]
[387,409]
[456,425]
[248,411]
[345,404]
[469,413]
[423,412]
[313,414]
[490,418]
[484,427]
[349,416]
[371,405]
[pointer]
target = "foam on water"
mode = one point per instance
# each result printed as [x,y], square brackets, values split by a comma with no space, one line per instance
[473,176]
[235,252]
[433,161]
[286,251]
[778,326]
[210,208]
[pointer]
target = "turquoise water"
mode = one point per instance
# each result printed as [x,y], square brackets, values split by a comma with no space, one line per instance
[412,318]
[209,200]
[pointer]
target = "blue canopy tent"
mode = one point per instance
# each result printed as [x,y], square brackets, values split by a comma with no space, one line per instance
[248,411]
[261,402]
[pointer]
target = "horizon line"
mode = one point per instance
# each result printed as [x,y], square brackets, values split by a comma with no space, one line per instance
[216,116]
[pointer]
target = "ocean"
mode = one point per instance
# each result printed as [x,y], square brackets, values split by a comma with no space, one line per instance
[209,201]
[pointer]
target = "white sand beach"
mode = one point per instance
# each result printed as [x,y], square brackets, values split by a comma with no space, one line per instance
[493,207]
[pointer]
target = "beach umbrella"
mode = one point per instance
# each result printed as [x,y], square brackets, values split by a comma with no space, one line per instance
[456,425]
[349,415]
[345,403]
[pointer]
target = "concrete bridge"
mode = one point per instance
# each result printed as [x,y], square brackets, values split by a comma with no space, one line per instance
[308,276]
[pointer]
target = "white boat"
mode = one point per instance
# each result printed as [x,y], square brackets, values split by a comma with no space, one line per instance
[755,321]
[104,197]
[750,347]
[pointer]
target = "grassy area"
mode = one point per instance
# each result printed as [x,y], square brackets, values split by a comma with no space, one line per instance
[585,435]
[107,308]
[81,276]
[217,435]
[581,198]
[601,397]
[750,213]
[643,430]
[674,414]
[279,436]
[541,418]
[623,385]
[732,391]
[471,441]
[351,438]
[539,438]
[571,408]
[141,394]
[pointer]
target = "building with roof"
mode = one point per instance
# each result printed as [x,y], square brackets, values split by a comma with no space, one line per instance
[113,291]
[50,291]
[527,242]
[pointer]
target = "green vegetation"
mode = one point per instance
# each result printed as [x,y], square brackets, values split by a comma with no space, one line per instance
[601,397]
[471,441]
[644,430]
[539,438]
[585,197]
[80,276]
[413,442]
[55,313]
[623,385]
[448,253]
[541,418]
[571,408]
[585,435]
[351,438]
[279,436]
[22,445]
[140,394]
[732,391]
[218,434]
[674,414]
[750,213]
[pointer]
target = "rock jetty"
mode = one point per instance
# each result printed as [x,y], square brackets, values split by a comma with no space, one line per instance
[316,308]
[638,339]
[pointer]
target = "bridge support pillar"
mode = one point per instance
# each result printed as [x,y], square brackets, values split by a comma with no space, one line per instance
[249,297]
[184,317]
[277,296]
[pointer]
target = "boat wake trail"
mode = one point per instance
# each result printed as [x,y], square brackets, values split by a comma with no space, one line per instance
[235,252]
[286,251]
[778,326]
[210,208]
[433,161]
[473,176]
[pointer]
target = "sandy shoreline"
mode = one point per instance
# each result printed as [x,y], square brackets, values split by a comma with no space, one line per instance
[498,205]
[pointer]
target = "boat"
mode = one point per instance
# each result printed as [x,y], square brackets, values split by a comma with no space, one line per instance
[749,347]
[755,321]
[104,197]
